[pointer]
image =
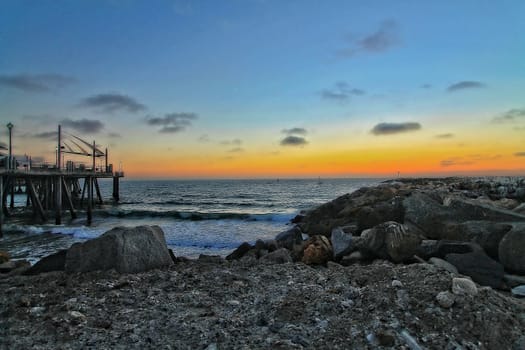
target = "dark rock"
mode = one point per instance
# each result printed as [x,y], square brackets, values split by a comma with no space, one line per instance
[386,337]
[428,248]
[126,250]
[341,242]
[514,280]
[279,256]
[391,240]
[481,268]
[487,234]
[260,244]
[240,251]
[8,266]
[352,258]
[4,257]
[210,259]
[317,250]
[512,249]
[272,245]
[455,247]
[290,238]
[297,219]
[53,262]
[443,264]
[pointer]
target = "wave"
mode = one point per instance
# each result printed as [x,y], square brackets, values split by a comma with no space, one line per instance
[195,215]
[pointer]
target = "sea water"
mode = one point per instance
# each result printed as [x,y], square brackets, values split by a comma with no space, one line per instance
[197,216]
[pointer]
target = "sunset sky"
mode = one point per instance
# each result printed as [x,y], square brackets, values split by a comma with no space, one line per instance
[269,88]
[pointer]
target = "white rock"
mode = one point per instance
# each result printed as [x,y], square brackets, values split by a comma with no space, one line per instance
[519,291]
[77,315]
[443,264]
[397,284]
[464,286]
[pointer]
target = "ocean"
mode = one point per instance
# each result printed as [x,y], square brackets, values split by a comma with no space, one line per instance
[197,216]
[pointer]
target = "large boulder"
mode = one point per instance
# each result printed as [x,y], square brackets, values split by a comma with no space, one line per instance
[125,249]
[486,233]
[512,249]
[240,251]
[391,240]
[290,238]
[317,250]
[53,262]
[481,268]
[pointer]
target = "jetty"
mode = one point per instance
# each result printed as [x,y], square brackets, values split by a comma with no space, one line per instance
[53,190]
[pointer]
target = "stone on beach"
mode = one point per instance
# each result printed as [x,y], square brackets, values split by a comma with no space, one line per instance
[464,286]
[512,249]
[4,257]
[481,268]
[391,240]
[317,251]
[127,250]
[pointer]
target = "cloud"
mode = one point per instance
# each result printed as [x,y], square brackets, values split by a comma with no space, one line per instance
[426,86]
[35,82]
[519,154]
[511,115]
[455,161]
[46,135]
[114,135]
[172,122]
[236,142]
[3,145]
[466,84]
[295,131]
[394,128]
[381,40]
[236,150]
[468,160]
[444,136]
[89,126]
[293,141]
[204,138]
[341,92]
[112,102]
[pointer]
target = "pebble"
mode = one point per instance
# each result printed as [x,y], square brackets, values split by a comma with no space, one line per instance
[445,299]
[443,264]
[397,284]
[464,286]
[37,310]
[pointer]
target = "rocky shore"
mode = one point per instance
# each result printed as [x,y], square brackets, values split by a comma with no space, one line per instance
[413,264]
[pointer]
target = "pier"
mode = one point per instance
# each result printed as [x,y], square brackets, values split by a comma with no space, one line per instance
[55,190]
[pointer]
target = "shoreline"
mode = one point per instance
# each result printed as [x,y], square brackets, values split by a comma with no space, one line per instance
[261,299]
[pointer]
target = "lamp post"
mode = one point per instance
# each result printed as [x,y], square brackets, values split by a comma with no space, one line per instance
[10,127]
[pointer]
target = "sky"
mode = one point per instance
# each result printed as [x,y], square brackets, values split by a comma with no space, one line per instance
[268,88]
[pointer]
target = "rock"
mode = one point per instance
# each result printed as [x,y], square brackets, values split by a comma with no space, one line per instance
[443,264]
[341,242]
[127,250]
[385,337]
[518,291]
[210,259]
[485,233]
[354,257]
[464,286]
[512,249]
[513,280]
[14,266]
[279,256]
[454,247]
[481,268]
[272,245]
[520,209]
[4,257]
[428,248]
[391,240]
[318,250]
[290,238]
[445,299]
[397,284]
[297,219]
[240,251]
[53,262]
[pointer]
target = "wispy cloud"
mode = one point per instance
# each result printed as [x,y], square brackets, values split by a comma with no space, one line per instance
[381,40]
[464,85]
[52,135]
[114,135]
[444,136]
[468,160]
[88,126]
[204,138]
[236,150]
[426,86]
[519,154]
[173,122]
[395,128]
[294,141]
[235,142]
[341,91]
[295,131]
[112,102]
[512,115]
[35,82]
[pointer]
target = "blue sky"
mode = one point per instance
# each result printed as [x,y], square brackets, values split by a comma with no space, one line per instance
[248,68]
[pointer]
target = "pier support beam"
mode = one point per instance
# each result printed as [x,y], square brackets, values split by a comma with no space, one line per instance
[69,202]
[97,188]
[1,205]
[116,196]
[58,200]
[89,180]
[37,205]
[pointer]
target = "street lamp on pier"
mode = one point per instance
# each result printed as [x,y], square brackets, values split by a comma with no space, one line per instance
[10,160]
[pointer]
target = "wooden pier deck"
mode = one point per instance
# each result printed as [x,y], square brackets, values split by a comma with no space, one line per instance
[52,193]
